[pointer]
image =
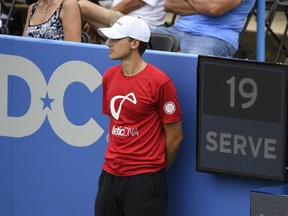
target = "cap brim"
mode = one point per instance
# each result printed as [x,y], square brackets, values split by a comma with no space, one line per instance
[110,33]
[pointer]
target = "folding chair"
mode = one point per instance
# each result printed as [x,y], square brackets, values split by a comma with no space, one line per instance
[85,38]
[5,23]
[163,42]
[247,21]
[283,6]
[4,30]
[274,7]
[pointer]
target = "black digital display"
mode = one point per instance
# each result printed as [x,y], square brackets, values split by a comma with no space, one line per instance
[241,117]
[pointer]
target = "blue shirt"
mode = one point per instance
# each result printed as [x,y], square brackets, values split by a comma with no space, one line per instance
[226,27]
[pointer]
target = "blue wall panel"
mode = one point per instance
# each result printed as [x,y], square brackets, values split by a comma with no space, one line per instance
[51,159]
[5,176]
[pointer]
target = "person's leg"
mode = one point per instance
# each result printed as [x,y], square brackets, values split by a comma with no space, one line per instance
[94,17]
[198,45]
[146,194]
[169,30]
[106,203]
[97,16]
[201,45]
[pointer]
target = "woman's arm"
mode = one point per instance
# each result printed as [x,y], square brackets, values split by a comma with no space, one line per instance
[27,20]
[71,20]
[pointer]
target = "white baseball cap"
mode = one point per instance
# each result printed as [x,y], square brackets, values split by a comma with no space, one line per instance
[127,26]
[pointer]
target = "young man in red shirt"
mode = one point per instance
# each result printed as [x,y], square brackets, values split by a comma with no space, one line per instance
[145,126]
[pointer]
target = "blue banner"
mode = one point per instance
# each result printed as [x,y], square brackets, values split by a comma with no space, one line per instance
[53,135]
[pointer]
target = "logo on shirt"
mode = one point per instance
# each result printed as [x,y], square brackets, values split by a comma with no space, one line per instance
[124,131]
[130,97]
[169,107]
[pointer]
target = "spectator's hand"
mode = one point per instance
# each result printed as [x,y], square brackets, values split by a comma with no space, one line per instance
[93,34]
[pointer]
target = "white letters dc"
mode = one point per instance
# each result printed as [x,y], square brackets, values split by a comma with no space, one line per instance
[31,121]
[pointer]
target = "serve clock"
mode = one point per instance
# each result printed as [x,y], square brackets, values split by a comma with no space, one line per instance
[242,117]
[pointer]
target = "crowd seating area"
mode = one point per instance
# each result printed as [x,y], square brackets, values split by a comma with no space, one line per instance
[276,31]
[13,15]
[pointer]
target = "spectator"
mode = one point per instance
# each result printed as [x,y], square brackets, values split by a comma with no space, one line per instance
[151,11]
[54,19]
[208,27]
[145,126]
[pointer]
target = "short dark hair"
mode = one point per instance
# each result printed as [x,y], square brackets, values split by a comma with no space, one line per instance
[142,46]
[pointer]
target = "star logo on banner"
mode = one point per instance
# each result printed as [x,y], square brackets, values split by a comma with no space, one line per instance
[47,102]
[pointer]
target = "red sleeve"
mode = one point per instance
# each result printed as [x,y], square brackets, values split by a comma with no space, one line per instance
[169,107]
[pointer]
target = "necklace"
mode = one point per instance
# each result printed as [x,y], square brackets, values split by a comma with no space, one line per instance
[142,66]
[139,69]
[45,10]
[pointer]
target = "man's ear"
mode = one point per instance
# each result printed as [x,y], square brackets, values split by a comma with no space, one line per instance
[135,44]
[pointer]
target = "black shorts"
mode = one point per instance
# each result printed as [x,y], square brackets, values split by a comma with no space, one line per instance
[139,195]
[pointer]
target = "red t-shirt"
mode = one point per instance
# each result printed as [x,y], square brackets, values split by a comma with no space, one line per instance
[137,107]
